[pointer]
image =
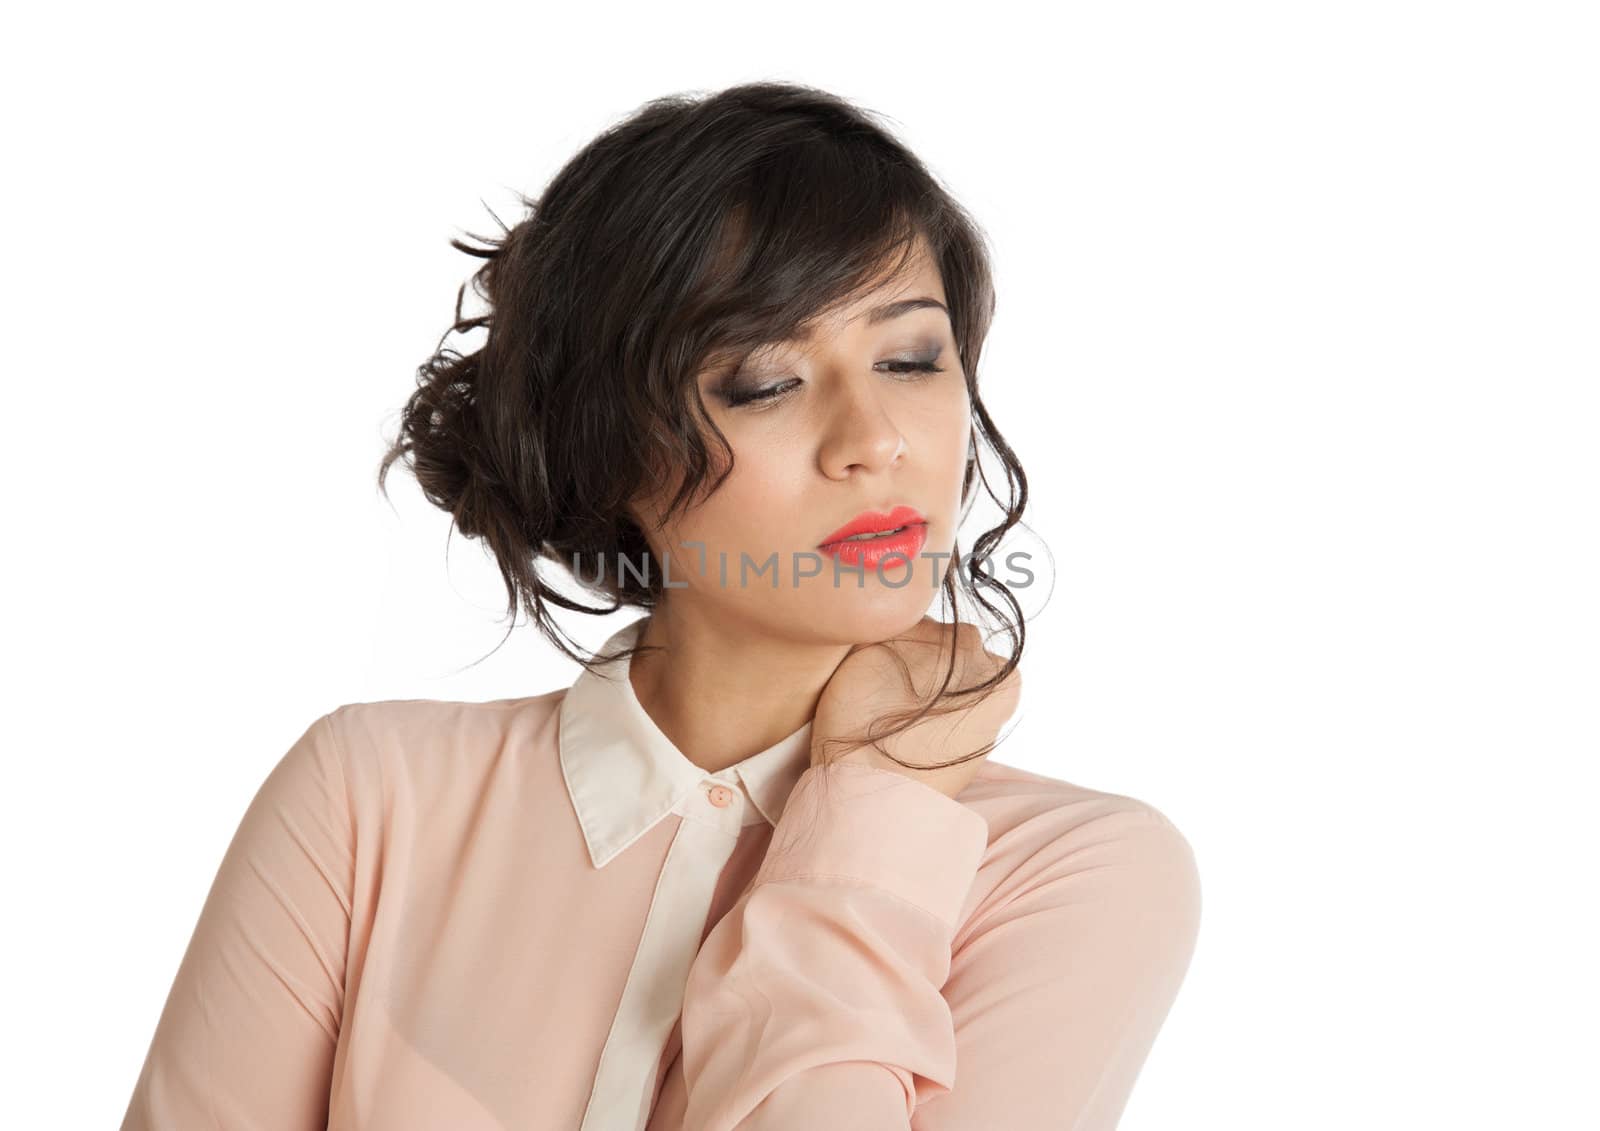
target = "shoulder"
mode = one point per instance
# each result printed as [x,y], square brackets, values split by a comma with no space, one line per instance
[1053,842]
[413,738]
[381,719]
[1013,799]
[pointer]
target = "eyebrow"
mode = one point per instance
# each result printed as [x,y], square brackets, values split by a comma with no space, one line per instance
[887,311]
[895,309]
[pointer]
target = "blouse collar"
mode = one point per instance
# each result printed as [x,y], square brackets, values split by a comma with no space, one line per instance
[624,775]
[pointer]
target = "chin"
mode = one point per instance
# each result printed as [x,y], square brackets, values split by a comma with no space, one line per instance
[848,615]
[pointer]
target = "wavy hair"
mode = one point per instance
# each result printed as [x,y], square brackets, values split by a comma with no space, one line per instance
[700,226]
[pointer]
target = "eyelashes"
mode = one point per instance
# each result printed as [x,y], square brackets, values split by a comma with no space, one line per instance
[735,397]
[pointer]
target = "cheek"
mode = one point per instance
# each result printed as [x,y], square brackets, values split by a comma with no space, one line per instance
[756,508]
[944,432]
[946,441]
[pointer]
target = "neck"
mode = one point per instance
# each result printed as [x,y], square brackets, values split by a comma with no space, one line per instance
[723,691]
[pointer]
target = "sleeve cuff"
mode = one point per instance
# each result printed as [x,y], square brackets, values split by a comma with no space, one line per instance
[880,828]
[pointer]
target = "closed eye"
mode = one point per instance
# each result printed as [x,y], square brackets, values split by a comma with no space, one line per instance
[913,367]
[902,370]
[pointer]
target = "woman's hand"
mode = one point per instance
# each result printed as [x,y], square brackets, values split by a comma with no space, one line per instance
[869,684]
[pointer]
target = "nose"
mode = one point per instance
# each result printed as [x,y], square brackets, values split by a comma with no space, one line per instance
[862,436]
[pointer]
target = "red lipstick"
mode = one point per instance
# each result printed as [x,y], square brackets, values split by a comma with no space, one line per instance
[902,531]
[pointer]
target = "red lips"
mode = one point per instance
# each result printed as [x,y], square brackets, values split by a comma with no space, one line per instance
[872,522]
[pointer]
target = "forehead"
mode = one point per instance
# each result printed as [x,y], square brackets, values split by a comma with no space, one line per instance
[916,286]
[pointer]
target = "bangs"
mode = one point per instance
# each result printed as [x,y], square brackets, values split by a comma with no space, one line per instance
[803,233]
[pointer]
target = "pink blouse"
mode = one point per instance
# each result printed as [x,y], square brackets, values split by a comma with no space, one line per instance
[537,913]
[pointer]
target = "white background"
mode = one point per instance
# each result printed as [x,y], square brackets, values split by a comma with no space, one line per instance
[1297,339]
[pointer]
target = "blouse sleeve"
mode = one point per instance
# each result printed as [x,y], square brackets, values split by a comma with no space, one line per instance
[246,1039]
[836,993]
[1060,984]
[815,1002]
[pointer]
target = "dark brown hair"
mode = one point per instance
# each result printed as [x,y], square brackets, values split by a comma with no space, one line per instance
[698,227]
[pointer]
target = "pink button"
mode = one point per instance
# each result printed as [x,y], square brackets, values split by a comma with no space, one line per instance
[720,796]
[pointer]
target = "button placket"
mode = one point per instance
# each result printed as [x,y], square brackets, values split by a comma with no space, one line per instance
[626,1076]
[716,803]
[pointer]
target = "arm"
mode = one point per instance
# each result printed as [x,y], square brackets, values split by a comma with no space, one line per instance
[829,996]
[247,1036]
[1060,984]
[815,1002]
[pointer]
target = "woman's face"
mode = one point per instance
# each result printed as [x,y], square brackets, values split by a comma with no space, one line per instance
[862,416]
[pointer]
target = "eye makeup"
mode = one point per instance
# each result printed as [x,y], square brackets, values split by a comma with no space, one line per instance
[740,388]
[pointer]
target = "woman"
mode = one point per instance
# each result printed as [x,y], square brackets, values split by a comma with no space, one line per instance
[753,868]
